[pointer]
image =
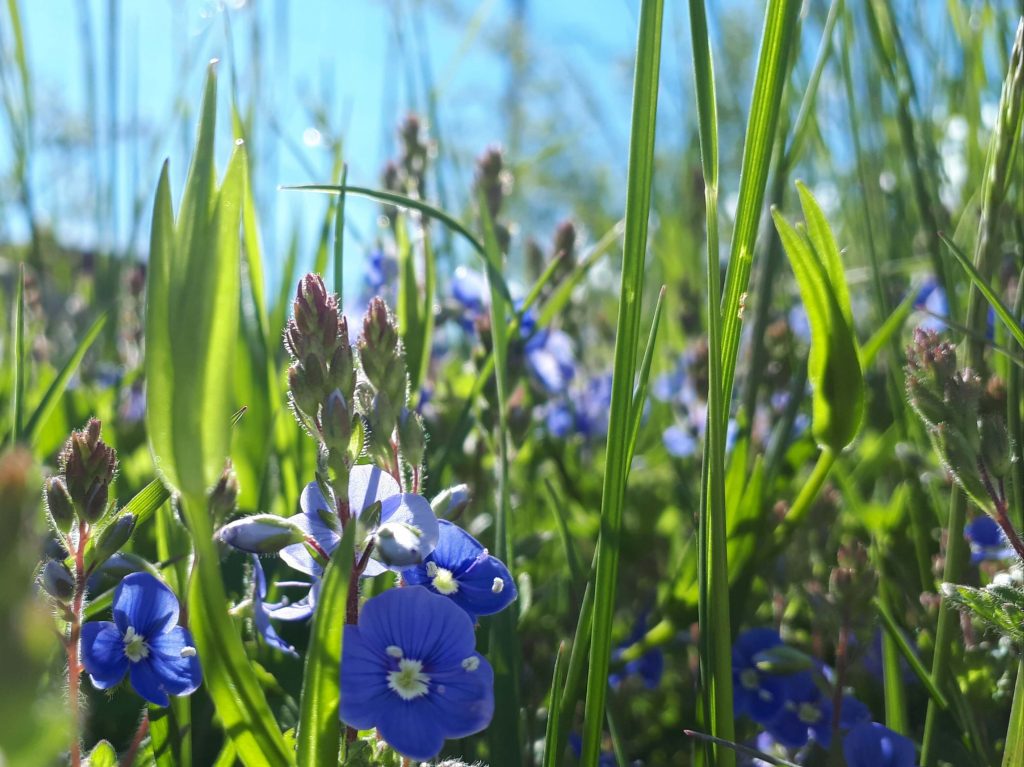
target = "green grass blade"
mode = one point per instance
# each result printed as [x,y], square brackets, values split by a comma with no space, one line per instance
[640,396]
[627,342]
[777,39]
[892,630]
[1013,751]
[19,360]
[887,332]
[56,389]
[1002,312]
[431,211]
[163,737]
[319,727]
[552,757]
[339,239]
[504,730]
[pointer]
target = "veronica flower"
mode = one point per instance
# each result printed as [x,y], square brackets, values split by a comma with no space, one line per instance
[679,441]
[407,526]
[757,694]
[410,669]
[584,410]
[987,540]
[462,570]
[550,359]
[806,713]
[870,744]
[649,666]
[262,611]
[144,641]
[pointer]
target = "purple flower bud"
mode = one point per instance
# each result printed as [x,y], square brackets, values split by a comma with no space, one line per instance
[59,504]
[57,581]
[94,505]
[399,544]
[450,503]
[224,495]
[261,534]
[337,423]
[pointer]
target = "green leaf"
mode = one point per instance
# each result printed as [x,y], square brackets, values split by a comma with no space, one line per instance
[998,608]
[60,383]
[163,737]
[1013,751]
[834,364]
[627,344]
[552,757]
[319,728]
[103,755]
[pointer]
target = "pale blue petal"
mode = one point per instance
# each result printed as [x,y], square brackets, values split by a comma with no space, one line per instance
[367,485]
[145,603]
[103,653]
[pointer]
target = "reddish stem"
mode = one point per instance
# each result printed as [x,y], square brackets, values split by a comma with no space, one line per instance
[140,734]
[74,638]
[837,693]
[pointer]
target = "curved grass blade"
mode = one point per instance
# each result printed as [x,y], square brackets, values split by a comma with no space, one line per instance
[627,342]
[402,201]
[56,389]
[319,730]
[552,757]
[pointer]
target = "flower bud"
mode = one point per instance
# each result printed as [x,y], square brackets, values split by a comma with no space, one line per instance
[342,371]
[57,581]
[111,540]
[95,504]
[305,396]
[337,423]
[995,445]
[565,241]
[378,343]
[411,437]
[930,407]
[260,534]
[450,503]
[398,544]
[961,459]
[224,495]
[782,659]
[59,504]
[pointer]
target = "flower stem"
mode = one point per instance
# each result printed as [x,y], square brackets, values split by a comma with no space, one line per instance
[74,636]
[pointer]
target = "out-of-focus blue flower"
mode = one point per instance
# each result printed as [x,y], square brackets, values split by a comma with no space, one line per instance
[144,641]
[679,441]
[870,744]
[756,694]
[462,570]
[605,759]
[380,275]
[987,540]
[931,299]
[550,358]
[873,659]
[649,666]
[469,288]
[799,325]
[806,713]
[410,669]
[583,411]
[400,512]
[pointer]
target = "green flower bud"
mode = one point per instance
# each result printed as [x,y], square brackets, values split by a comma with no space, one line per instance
[995,445]
[929,406]
[59,504]
[411,437]
[450,503]
[57,581]
[110,541]
[783,659]
[96,502]
[224,496]
[398,544]
[337,423]
[961,460]
[260,534]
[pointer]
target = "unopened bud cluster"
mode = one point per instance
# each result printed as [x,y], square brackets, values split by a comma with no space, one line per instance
[81,492]
[383,393]
[493,183]
[968,431]
[322,378]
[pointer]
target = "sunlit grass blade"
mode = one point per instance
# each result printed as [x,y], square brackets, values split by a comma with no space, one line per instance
[552,757]
[319,731]
[339,239]
[18,359]
[1002,312]
[163,737]
[504,729]
[627,344]
[432,211]
[887,332]
[892,629]
[56,389]
[644,374]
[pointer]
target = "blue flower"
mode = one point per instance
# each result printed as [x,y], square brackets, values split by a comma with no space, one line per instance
[549,357]
[987,540]
[263,612]
[872,745]
[648,666]
[469,288]
[410,669]
[757,694]
[806,713]
[461,569]
[381,273]
[144,641]
[679,442]
[367,485]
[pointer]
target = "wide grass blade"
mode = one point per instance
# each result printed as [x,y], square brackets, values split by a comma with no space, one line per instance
[319,731]
[627,344]
[60,383]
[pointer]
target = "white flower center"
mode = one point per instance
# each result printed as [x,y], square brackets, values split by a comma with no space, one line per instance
[443,580]
[409,681]
[135,646]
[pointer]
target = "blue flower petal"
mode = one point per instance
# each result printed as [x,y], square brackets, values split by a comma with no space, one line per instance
[172,659]
[367,485]
[146,604]
[425,626]
[260,612]
[365,693]
[873,745]
[103,653]
[463,699]
[148,683]
[318,511]
[411,729]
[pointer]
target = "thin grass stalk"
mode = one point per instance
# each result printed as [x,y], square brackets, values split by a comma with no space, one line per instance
[627,343]
[713,567]
[995,182]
